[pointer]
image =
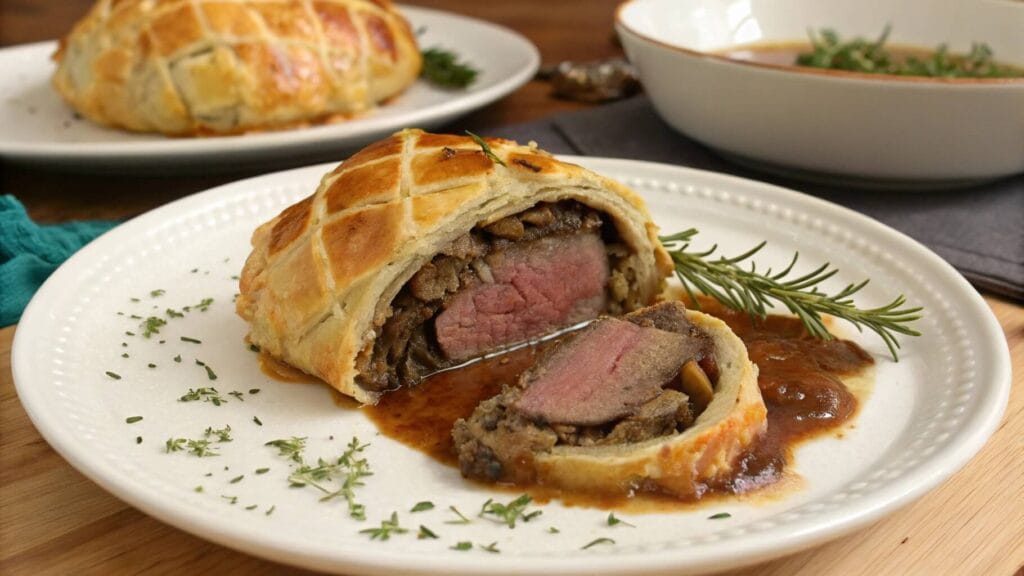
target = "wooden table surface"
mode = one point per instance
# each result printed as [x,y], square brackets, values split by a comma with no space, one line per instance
[55,521]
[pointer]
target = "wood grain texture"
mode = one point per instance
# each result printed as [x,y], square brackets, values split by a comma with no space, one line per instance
[55,521]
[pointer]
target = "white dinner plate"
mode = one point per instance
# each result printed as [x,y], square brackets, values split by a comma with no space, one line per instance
[928,413]
[37,126]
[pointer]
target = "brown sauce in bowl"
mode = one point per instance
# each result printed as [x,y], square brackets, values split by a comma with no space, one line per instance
[801,380]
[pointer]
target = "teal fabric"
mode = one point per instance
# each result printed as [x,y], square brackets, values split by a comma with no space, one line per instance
[29,253]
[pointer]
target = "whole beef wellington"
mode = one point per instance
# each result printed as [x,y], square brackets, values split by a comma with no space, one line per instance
[662,400]
[423,251]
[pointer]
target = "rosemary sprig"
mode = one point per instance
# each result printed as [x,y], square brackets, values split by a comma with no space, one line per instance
[442,68]
[486,148]
[751,291]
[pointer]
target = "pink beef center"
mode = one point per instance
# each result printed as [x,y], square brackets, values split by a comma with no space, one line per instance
[603,374]
[535,288]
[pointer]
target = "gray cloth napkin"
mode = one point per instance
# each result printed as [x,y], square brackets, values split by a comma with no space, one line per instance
[980,231]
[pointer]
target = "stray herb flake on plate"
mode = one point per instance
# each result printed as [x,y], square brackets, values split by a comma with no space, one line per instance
[387,527]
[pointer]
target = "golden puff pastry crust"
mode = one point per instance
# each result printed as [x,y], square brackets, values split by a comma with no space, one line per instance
[188,67]
[327,268]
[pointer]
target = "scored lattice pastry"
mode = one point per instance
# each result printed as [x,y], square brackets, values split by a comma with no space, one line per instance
[187,67]
[424,250]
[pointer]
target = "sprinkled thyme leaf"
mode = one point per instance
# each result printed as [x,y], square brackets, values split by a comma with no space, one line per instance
[231,499]
[212,375]
[271,510]
[151,365]
[129,333]
[192,340]
[152,326]
[486,148]
[133,419]
[234,393]
[349,469]
[751,291]
[203,305]
[442,68]
[222,434]
[177,358]
[124,355]
[113,375]
[426,533]
[508,513]
[172,313]
[254,391]
[204,394]
[157,293]
[598,541]
[236,479]
[251,507]
[553,530]
[135,317]
[492,547]
[124,344]
[462,519]
[134,299]
[262,470]
[138,439]
[174,445]
[422,506]
[612,521]
[720,516]
[463,546]
[198,488]
[291,448]
[254,348]
[387,527]
[257,420]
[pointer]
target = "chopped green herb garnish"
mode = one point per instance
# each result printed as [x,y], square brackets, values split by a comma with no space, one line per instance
[348,468]
[425,533]
[129,333]
[124,355]
[138,439]
[254,391]
[422,506]
[387,527]
[720,516]
[492,547]
[262,470]
[462,519]
[553,530]
[291,448]
[613,521]
[202,306]
[463,546]
[134,299]
[177,358]
[271,510]
[251,507]
[442,68]
[257,420]
[172,313]
[234,393]
[231,499]
[871,57]
[157,293]
[598,541]
[486,148]
[212,376]
[222,434]
[192,340]
[133,419]
[509,513]
[254,348]
[205,394]
[152,326]
[236,479]
[198,488]
[113,375]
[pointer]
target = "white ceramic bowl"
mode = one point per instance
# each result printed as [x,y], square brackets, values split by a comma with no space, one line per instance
[895,130]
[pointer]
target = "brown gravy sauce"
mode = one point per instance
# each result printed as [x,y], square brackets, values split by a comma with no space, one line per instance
[801,380]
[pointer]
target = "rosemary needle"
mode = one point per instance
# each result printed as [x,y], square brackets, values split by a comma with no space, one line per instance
[751,291]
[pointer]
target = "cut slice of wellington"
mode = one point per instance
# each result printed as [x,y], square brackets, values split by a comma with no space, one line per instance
[424,250]
[605,410]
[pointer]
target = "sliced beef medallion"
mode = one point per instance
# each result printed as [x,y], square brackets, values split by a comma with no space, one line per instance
[613,382]
[523,277]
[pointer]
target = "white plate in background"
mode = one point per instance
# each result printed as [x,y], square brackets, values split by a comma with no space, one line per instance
[39,128]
